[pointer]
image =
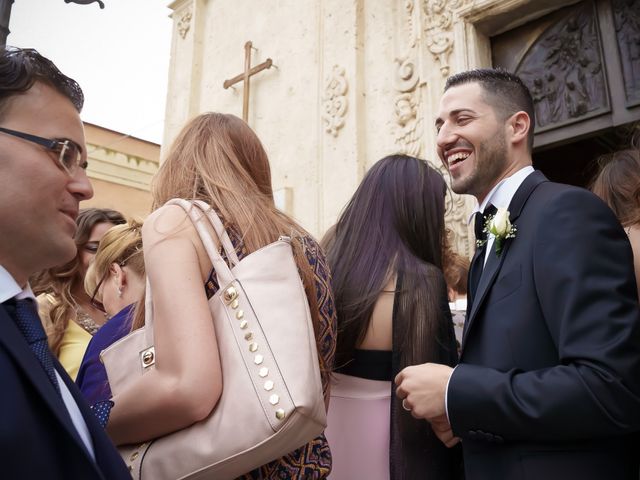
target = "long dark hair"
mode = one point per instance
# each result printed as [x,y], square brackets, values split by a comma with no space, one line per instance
[394,225]
[60,282]
[394,221]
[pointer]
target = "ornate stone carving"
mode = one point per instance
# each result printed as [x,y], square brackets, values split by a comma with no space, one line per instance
[408,109]
[184,24]
[335,101]
[563,69]
[457,221]
[408,117]
[626,15]
[408,129]
[438,17]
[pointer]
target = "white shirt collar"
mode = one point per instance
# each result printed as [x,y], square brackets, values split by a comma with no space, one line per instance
[9,288]
[501,195]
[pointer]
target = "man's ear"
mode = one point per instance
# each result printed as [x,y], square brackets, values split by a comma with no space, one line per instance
[518,127]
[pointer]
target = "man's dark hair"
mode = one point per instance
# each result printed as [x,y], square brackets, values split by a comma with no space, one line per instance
[21,68]
[505,91]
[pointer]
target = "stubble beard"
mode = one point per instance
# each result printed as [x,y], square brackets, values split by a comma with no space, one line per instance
[491,161]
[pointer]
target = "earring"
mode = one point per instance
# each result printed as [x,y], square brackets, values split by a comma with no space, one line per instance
[119,291]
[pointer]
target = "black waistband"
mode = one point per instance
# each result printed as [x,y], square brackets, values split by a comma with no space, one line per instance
[369,364]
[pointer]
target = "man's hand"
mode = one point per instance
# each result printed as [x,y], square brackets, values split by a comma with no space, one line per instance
[442,429]
[422,389]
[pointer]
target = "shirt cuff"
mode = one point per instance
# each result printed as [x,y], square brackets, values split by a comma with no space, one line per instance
[446,395]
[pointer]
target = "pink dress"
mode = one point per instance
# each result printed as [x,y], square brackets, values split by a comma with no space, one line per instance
[358,428]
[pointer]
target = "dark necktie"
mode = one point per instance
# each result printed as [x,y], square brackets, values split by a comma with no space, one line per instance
[25,315]
[478,262]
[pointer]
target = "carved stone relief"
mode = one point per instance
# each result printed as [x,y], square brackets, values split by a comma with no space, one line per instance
[438,15]
[408,116]
[564,71]
[184,24]
[335,101]
[409,111]
[626,15]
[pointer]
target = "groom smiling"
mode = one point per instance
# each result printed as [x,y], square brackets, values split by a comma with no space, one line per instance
[548,384]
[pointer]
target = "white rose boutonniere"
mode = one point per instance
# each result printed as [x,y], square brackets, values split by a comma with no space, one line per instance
[500,227]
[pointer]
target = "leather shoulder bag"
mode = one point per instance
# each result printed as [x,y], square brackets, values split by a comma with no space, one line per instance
[271,402]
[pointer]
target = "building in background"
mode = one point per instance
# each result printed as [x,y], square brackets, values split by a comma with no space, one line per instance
[359,80]
[120,169]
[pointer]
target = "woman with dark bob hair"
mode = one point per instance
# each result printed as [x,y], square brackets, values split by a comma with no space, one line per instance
[385,254]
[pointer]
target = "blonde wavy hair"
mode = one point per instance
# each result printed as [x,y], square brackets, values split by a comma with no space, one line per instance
[217,158]
[122,245]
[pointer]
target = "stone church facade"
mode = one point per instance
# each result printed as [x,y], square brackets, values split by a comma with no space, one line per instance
[353,81]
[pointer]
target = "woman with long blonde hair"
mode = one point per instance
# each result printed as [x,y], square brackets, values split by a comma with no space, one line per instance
[218,159]
[116,282]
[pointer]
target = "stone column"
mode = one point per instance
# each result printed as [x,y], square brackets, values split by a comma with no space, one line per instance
[183,92]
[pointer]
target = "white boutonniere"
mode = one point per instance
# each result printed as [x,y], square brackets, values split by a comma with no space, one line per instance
[500,227]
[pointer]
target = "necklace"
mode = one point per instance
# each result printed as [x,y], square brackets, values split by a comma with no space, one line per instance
[85,321]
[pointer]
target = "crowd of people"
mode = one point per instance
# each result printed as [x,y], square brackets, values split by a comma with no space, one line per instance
[521,363]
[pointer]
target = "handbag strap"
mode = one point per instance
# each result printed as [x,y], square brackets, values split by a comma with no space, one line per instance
[222,271]
[218,227]
[197,210]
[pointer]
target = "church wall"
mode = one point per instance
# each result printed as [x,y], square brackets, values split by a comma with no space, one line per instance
[356,80]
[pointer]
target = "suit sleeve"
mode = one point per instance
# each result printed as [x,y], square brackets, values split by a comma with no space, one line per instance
[585,286]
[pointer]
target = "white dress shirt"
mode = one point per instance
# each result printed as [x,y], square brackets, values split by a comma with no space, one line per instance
[9,289]
[500,196]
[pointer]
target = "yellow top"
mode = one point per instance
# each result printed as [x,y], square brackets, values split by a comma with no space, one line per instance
[72,348]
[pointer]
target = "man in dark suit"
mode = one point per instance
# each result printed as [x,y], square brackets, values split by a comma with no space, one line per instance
[548,385]
[46,429]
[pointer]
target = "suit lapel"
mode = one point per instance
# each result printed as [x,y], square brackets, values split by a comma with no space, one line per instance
[494,263]
[16,345]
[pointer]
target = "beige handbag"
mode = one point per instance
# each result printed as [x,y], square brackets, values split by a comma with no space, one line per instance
[271,401]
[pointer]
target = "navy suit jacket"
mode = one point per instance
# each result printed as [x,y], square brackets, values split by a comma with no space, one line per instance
[37,438]
[548,385]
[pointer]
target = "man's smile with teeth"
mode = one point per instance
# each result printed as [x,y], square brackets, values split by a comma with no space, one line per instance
[457,157]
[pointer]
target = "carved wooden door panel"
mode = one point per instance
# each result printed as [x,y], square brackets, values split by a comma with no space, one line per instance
[582,65]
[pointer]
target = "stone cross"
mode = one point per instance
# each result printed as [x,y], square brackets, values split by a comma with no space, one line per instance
[245,77]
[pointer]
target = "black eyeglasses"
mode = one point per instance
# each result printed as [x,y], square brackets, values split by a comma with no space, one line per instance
[95,303]
[69,152]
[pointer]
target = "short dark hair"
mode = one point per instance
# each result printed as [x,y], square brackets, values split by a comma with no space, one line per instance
[21,68]
[505,91]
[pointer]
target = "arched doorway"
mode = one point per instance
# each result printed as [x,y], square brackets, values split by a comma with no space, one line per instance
[582,65]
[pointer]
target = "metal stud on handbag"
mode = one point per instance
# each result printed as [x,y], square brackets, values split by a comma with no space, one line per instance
[271,402]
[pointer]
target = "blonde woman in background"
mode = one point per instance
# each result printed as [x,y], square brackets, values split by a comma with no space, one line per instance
[116,281]
[66,311]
